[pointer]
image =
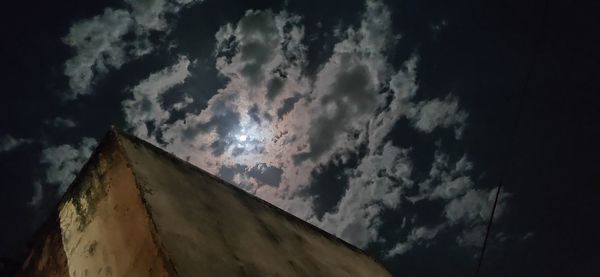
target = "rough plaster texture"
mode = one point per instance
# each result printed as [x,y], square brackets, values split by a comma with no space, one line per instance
[135,210]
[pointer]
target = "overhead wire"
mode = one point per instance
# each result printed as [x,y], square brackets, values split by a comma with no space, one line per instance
[524,90]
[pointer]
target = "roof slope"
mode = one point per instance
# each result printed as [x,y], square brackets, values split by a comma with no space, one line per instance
[191,222]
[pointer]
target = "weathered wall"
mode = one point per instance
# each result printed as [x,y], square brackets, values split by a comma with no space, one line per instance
[47,257]
[135,210]
[103,226]
[209,228]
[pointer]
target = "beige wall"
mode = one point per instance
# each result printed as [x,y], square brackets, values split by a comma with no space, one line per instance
[208,228]
[104,227]
[47,257]
[135,210]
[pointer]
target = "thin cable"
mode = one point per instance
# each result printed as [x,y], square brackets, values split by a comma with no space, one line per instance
[537,45]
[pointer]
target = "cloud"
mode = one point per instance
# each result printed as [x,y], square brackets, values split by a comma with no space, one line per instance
[446,180]
[472,237]
[64,162]
[452,188]
[61,122]
[9,143]
[261,47]
[273,124]
[377,183]
[403,86]
[466,206]
[259,175]
[288,105]
[38,194]
[98,45]
[429,115]
[115,37]
[145,107]
[417,236]
[473,207]
[473,211]
[346,91]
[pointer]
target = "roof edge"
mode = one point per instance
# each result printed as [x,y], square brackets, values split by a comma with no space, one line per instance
[172,269]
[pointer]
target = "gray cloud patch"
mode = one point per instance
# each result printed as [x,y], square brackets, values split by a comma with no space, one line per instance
[351,95]
[99,42]
[38,194]
[288,105]
[9,143]
[259,36]
[64,162]
[439,113]
[418,235]
[61,122]
[223,124]
[274,87]
[224,119]
[145,106]
[254,113]
[263,173]
[266,174]
[228,172]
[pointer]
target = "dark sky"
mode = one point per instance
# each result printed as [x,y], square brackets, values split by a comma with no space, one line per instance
[387,123]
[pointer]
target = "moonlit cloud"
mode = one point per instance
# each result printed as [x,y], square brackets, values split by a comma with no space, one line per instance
[64,161]
[437,113]
[100,45]
[146,107]
[272,125]
[377,183]
[418,235]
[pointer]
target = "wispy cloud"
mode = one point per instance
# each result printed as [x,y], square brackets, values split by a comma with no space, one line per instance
[9,143]
[100,45]
[64,161]
[38,194]
[61,122]
[145,106]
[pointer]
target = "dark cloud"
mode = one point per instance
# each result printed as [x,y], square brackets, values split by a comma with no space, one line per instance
[274,87]
[61,122]
[8,143]
[228,172]
[263,173]
[352,88]
[64,161]
[109,40]
[288,105]
[266,174]
[351,95]
[259,36]
[328,184]
[224,123]
[223,120]
[254,113]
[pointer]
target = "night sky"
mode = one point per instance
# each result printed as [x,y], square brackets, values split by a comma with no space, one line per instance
[390,124]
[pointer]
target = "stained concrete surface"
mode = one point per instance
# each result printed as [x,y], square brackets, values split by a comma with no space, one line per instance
[135,210]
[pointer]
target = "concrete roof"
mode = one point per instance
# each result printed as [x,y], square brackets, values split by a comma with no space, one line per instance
[171,218]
